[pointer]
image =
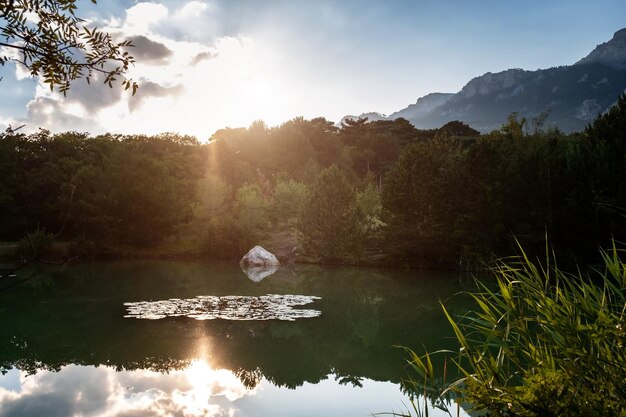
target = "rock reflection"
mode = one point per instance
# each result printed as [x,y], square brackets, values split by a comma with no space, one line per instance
[258,273]
[230,307]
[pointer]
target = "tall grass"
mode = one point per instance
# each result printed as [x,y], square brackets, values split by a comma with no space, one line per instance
[541,342]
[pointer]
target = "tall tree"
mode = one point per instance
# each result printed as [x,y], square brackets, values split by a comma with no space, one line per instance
[328,223]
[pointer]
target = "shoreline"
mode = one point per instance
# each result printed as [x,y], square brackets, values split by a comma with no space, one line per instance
[62,251]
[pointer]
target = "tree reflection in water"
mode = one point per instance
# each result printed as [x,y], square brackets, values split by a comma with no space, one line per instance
[77,328]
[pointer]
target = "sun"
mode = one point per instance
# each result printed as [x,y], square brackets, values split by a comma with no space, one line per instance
[241,83]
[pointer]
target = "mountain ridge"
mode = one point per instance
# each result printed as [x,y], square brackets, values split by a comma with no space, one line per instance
[611,53]
[572,95]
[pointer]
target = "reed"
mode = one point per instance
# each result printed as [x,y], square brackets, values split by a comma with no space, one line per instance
[540,342]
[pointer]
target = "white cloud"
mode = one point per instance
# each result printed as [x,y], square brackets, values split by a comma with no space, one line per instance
[197,83]
[143,16]
[197,21]
[21,72]
[191,10]
[238,84]
[5,122]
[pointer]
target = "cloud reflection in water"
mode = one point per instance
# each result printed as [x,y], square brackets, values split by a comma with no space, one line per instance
[101,391]
[197,390]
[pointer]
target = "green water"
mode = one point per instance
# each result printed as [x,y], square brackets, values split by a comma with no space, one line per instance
[67,348]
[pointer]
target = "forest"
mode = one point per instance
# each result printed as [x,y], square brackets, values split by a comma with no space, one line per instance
[379,192]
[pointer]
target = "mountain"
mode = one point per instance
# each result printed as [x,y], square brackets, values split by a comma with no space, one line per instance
[572,95]
[371,116]
[611,53]
[422,106]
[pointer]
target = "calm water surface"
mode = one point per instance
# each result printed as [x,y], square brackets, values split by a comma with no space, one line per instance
[203,339]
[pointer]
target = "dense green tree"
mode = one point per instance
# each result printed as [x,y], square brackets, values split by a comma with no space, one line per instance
[353,131]
[288,150]
[607,135]
[514,128]
[329,224]
[457,128]
[213,197]
[369,206]
[374,146]
[37,181]
[610,127]
[446,198]
[423,202]
[132,197]
[251,208]
[289,198]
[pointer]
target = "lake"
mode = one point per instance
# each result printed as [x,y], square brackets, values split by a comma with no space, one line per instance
[170,338]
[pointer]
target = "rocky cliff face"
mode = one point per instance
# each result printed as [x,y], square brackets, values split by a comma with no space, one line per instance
[573,96]
[611,53]
[490,83]
[422,106]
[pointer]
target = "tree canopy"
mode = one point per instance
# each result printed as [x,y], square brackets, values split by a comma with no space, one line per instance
[50,40]
[389,193]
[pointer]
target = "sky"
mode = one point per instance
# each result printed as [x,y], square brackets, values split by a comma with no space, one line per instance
[203,65]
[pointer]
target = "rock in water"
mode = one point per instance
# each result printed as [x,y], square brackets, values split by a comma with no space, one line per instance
[259,263]
[258,256]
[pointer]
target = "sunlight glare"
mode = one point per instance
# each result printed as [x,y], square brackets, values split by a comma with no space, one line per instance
[240,83]
[198,372]
[207,382]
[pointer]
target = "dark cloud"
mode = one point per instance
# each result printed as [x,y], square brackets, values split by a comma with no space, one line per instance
[202,56]
[47,404]
[53,114]
[149,51]
[94,96]
[149,89]
[59,396]
[49,114]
